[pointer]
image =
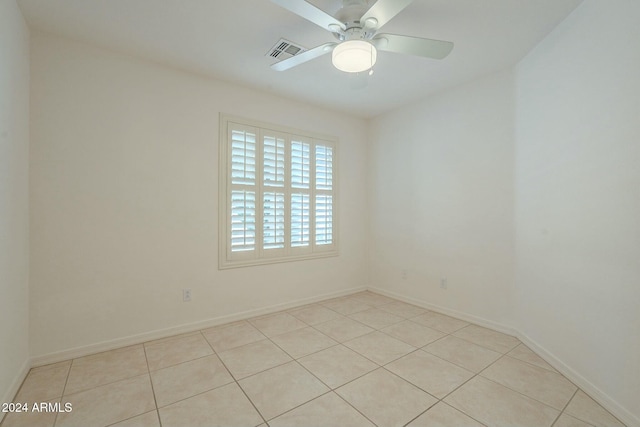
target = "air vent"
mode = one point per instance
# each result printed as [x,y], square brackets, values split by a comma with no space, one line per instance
[285,49]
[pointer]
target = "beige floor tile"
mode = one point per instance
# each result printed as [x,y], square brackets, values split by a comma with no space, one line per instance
[179,350]
[227,337]
[492,340]
[253,358]
[568,421]
[104,368]
[372,298]
[432,374]
[337,365]
[276,324]
[314,314]
[373,393]
[443,415]
[376,318]
[192,386]
[328,410]
[282,388]
[346,305]
[440,322]
[30,418]
[463,353]
[379,347]
[188,379]
[524,353]
[496,405]
[221,407]
[302,342]
[403,309]
[149,419]
[44,383]
[108,404]
[413,333]
[588,410]
[343,329]
[545,386]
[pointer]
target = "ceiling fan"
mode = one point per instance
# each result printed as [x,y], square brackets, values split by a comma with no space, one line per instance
[356,28]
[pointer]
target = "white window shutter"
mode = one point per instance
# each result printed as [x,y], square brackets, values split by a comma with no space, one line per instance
[278,193]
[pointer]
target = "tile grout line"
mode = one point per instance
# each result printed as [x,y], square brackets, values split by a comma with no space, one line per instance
[66,381]
[553,370]
[383,366]
[354,408]
[100,384]
[565,407]
[235,380]
[330,389]
[523,394]
[153,390]
[379,366]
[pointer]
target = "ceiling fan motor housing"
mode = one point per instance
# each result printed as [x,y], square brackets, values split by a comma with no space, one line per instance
[350,14]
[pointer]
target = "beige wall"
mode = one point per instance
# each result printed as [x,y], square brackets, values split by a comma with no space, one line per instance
[442,200]
[14,200]
[523,190]
[520,188]
[578,199]
[124,200]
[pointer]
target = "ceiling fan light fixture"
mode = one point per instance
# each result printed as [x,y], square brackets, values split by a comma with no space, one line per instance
[354,56]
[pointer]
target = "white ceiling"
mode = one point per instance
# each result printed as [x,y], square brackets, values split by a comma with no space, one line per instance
[228,39]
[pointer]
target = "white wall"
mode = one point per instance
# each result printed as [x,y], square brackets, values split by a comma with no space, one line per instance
[441,194]
[14,199]
[523,189]
[578,198]
[124,199]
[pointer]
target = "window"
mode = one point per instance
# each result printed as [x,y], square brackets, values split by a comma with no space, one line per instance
[277,194]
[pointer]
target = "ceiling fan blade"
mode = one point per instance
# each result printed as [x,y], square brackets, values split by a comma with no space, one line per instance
[304,57]
[382,11]
[428,48]
[311,13]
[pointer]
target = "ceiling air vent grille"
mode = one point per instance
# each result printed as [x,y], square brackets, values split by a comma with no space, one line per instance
[285,49]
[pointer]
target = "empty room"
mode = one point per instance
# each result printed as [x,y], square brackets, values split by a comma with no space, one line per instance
[272,213]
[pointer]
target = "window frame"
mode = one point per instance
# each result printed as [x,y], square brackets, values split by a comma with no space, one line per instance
[259,255]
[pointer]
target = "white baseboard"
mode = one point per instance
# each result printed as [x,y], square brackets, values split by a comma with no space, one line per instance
[86,350]
[602,398]
[449,312]
[580,381]
[584,384]
[15,385]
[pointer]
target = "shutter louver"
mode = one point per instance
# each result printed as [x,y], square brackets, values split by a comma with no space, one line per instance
[324,167]
[243,157]
[300,220]
[300,164]
[243,221]
[273,172]
[324,219]
[273,221]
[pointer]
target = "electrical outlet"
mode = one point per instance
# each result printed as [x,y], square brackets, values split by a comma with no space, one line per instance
[186,295]
[443,283]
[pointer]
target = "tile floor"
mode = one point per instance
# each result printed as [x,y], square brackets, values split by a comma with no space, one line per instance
[361,360]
